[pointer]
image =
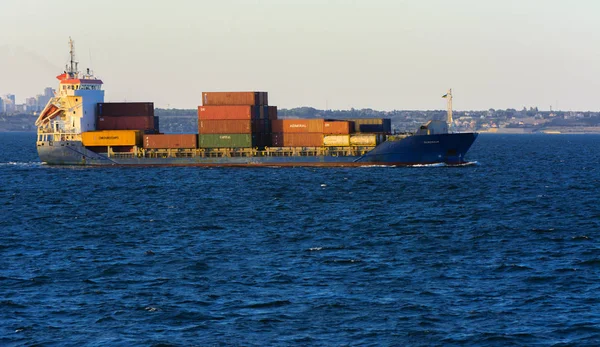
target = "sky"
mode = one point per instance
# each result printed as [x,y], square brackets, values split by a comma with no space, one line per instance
[334,54]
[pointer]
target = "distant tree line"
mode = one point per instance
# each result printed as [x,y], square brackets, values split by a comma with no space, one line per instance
[186,120]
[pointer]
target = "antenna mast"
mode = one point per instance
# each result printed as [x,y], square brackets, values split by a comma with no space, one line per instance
[72,68]
[448,96]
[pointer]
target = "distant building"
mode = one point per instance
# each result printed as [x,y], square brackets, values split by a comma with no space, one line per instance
[31,105]
[42,100]
[9,103]
[49,93]
[21,108]
[11,97]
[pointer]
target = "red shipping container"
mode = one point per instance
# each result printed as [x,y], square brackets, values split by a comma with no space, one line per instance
[227,126]
[132,109]
[229,98]
[125,123]
[272,112]
[336,127]
[297,125]
[297,139]
[171,141]
[227,112]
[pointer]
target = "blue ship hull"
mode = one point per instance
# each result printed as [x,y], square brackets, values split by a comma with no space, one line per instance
[412,150]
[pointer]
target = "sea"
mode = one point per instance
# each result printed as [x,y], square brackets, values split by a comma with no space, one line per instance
[504,251]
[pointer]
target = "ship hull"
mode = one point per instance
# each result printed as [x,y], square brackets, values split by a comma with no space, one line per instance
[412,150]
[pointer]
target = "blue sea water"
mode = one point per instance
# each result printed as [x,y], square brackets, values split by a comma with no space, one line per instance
[502,252]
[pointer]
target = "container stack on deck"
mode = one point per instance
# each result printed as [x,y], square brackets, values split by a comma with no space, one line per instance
[372,125]
[297,132]
[234,120]
[337,133]
[127,116]
[228,120]
[120,126]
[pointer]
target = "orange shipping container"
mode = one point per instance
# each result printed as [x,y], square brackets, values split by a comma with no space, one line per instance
[111,138]
[227,112]
[226,126]
[171,141]
[297,139]
[336,127]
[297,126]
[234,98]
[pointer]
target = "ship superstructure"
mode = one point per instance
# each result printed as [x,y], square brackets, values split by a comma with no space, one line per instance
[72,110]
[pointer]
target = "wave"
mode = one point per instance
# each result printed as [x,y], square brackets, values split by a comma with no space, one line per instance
[276,303]
[370,166]
[469,163]
[22,164]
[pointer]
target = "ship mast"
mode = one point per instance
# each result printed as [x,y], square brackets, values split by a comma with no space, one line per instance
[448,96]
[72,68]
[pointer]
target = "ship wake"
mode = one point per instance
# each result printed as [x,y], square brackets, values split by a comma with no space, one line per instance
[21,164]
[469,163]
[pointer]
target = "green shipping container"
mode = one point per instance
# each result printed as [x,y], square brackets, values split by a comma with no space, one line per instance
[224,140]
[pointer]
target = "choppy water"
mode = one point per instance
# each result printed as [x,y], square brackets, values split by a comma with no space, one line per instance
[503,252]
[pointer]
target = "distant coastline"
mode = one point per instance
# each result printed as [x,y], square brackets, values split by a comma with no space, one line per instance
[548,131]
[510,121]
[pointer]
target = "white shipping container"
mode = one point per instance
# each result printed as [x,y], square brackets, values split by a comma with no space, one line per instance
[336,140]
[363,140]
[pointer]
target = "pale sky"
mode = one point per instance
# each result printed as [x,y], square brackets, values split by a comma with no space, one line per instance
[380,54]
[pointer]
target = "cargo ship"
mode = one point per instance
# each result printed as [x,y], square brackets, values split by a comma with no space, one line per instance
[234,129]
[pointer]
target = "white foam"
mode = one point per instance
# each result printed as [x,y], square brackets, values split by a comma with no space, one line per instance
[22,164]
[469,163]
[377,166]
[429,165]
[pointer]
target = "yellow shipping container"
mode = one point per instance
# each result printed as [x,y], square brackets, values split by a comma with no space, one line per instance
[363,140]
[112,138]
[336,140]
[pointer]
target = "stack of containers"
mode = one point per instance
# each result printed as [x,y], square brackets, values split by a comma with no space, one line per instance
[337,133]
[297,132]
[233,119]
[127,116]
[372,125]
[369,131]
